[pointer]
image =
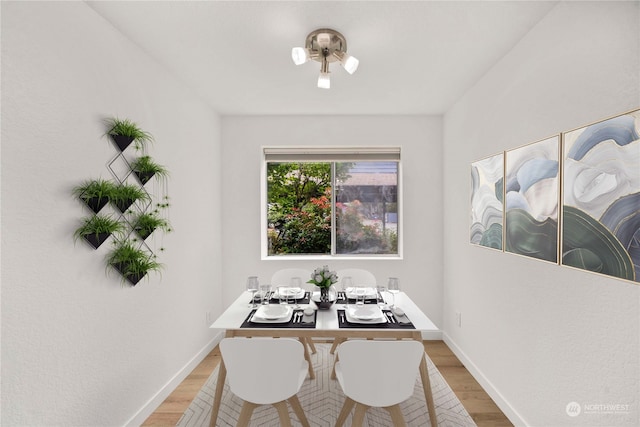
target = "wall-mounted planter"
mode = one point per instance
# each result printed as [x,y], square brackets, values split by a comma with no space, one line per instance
[143,177]
[122,141]
[123,132]
[132,262]
[96,240]
[145,224]
[145,168]
[125,195]
[130,256]
[96,229]
[95,193]
[130,276]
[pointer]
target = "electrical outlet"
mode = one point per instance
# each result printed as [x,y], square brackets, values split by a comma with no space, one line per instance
[208,318]
[458,319]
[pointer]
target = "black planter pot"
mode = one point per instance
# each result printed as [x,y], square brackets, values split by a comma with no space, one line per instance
[96,240]
[144,233]
[144,177]
[123,205]
[121,141]
[96,203]
[132,278]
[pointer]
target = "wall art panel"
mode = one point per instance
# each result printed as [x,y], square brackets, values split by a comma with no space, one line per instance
[601,197]
[487,178]
[531,200]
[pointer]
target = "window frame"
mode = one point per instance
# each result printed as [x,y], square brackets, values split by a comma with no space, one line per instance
[329,155]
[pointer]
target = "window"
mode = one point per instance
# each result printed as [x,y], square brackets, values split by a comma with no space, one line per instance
[331,202]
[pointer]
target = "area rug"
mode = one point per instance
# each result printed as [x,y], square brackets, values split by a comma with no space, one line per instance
[322,399]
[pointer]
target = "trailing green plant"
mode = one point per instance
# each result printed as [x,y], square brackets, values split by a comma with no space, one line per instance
[97,229]
[126,194]
[98,224]
[144,167]
[128,128]
[146,223]
[132,262]
[95,193]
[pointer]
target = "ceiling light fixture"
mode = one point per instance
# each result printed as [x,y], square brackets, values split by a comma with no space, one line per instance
[325,46]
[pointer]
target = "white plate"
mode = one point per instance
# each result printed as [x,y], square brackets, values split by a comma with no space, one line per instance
[351,319]
[294,293]
[365,312]
[272,312]
[369,293]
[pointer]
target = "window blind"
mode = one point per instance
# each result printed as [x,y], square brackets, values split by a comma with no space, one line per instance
[332,154]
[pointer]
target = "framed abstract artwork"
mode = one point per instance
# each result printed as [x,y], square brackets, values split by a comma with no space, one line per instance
[532,199]
[601,197]
[487,176]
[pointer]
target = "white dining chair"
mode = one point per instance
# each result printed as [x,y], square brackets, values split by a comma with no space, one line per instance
[358,368]
[358,275]
[282,370]
[283,278]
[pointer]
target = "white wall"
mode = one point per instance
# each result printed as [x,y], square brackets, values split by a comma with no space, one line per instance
[420,139]
[540,335]
[78,348]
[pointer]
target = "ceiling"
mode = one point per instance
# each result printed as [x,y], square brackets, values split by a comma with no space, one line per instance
[416,57]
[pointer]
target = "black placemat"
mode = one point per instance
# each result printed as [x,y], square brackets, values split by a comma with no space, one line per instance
[290,324]
[343,323]
[304,300]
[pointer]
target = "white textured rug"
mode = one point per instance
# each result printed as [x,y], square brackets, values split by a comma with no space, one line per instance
[322,400]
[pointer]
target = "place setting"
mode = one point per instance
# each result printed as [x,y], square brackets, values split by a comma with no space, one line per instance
[279,309]
[368,308]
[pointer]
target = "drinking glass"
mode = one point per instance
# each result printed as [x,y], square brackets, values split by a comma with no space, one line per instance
[393,286]
[346,283]
[361,295]
[295,284]
[265,291]
[283,294]
[252,286]
[382,290]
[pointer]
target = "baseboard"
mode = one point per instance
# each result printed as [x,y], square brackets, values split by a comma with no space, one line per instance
[432,335]
[171,385]
[497,397]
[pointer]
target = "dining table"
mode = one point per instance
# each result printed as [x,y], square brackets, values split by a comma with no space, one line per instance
[405,320]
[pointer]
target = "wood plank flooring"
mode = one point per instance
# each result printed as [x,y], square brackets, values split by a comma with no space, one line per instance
[475,400]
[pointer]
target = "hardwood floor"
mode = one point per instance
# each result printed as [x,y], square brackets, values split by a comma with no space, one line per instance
[475,400]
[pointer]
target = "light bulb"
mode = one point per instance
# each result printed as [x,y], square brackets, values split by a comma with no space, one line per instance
[350,64]
[299,55]
[323,81]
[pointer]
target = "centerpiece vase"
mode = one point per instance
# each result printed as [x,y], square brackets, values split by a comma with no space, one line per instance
[325,297]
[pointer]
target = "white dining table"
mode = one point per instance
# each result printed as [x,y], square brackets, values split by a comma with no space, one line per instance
[327,326]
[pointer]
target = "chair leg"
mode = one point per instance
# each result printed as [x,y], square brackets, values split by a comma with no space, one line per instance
[333,370]
[426,384]
[358,415]
[297,408]
[336,343]
[396,415]
[307,357]
[245,413]
[283,412]
[312,346]
[344,413]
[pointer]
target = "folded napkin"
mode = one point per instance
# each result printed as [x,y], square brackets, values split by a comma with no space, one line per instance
[368,293]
